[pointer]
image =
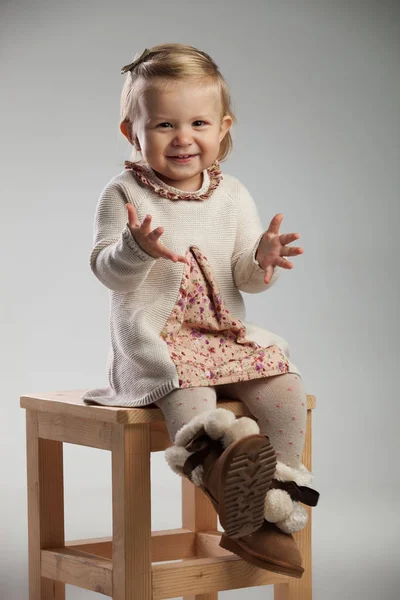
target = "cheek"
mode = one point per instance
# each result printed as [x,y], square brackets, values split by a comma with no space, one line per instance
[207,141]
[159,141]
[154,142]
[214,138]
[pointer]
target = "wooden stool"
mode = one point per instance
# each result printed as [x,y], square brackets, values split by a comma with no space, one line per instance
[121,566]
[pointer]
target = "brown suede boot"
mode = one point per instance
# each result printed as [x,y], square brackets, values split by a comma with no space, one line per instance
[273,547]
[231,462]
[268,548]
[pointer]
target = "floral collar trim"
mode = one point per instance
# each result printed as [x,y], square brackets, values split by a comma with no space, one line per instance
[212,177]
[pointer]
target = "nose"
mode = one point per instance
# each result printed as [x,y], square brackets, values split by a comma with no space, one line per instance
[183,137]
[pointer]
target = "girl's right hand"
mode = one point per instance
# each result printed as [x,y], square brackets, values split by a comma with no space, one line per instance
[149,240]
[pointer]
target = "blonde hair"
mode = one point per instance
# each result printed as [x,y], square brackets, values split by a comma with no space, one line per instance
[169,63]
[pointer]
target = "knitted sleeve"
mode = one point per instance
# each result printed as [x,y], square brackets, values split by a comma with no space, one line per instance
[247,273]
[116,259]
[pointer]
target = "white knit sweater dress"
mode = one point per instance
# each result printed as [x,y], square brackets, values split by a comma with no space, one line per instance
[172,325]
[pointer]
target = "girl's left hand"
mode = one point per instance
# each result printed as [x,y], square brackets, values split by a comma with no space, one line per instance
[273,247]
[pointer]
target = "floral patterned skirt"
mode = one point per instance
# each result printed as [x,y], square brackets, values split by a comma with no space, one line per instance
[207,345]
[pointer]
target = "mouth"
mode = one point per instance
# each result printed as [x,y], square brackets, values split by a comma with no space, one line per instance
[182,158]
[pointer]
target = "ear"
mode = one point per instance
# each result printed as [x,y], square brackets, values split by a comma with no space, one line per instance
[126,127]
[226,124]
[126,130]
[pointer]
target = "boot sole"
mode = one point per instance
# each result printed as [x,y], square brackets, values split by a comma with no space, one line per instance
[276,567]
[245,478]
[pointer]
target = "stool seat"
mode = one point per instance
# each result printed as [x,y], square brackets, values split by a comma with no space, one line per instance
[136,563]
[70,402]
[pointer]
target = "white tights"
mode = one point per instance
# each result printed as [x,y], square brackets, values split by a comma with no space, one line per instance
[278,403]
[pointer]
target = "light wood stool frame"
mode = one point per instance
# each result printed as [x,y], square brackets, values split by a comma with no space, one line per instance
[125,565]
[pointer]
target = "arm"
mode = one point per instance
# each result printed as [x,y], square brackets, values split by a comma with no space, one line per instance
[116,259]
[247,273]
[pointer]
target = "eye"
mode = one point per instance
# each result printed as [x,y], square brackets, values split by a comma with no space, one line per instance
[161,125]
[201,123]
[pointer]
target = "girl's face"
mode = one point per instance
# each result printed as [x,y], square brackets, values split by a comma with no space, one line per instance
[183,120]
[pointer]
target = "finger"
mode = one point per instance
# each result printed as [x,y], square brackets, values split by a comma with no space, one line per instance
[156,234]
[132,216]
[176,257]
[268,272]
[145,226]
[287,238]
[169,255]
[285,264]
[292,251]
[183,259]
[275,224]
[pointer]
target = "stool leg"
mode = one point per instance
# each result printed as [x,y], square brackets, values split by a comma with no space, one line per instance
[45,507]
[198,514]
[131,499]
[301,589]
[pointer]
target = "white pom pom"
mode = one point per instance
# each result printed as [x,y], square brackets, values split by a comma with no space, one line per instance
[218,421]
[297,519]
[239,429]
[277,506]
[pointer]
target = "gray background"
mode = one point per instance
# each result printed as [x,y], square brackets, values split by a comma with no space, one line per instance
[316,91]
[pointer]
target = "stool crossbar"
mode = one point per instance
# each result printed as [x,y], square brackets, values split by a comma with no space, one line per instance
[136,563]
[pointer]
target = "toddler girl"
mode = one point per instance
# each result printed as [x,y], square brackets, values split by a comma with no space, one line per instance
[177,241]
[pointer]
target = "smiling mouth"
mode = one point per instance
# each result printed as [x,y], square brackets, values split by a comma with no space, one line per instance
[183,156]
[183,159]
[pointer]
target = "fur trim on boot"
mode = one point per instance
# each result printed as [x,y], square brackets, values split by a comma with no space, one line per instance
[215,422]
[301,476]
[176,456]
[239,429]
[219,423]
[231,462]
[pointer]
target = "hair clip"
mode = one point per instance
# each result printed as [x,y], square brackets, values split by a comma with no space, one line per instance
[135,63]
